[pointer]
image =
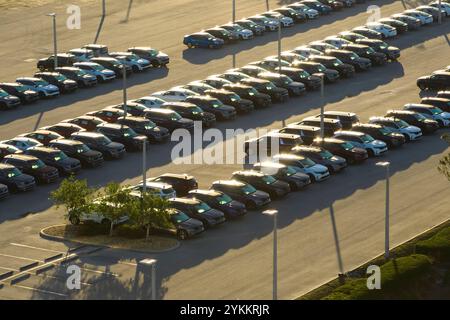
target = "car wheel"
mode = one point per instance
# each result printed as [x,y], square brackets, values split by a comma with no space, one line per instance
[74,220]
[182,234]
[190,45]
[41,68]
[331,169]
[99,79]
[311,176]
[422,86]
[250,205]
[3,106]
[135,69]
[155,64]
[440,123]
[370,152]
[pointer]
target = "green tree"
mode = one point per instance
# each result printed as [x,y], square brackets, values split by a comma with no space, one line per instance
[113,203]
[444,163]
[149,211]
[75,196]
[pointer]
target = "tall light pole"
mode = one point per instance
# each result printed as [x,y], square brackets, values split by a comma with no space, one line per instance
[55,47]
[322,106]
[125,98]
[144,166]
[386,164]
[274,213]
[234,11]
[102,19]
[440,13]
[279,46]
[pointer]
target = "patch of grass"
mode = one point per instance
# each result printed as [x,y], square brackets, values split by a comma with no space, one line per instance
[438,245]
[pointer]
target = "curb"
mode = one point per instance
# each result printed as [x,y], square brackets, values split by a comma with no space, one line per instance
[47,236]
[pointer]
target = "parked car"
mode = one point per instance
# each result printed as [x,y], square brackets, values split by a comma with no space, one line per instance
[444,6]
[311,82]
[99,50]
[82,54]
[56,158]
[97,70]
[296,179]
[95,217]
[443,94]
[302,8]
[157,58]
[344,149]
[347,119]
[382,133]
[133,108]
[22,92]
[99,142]
[412,22]
[363,140]
[220,201]
[307,133]
[89,123]
[330,125]
[226,35]
[15,180]
[316,172]
[114,65]
[345,70]
[149,102]
[351,36]
[296,16]
[316,5]
[169,119]
[33,166]
[158,189]
[197,86]
[434,12]
[184,227]
[410,132]
[364,51]
[267,183]
[424,17]
[132,60]
[191,111]
[4,192]
[243,33]
[416,119]
[257,29]
[243,192]
[22,143]
[319,155]
[232,99]
[64,129]
[203,40]
[435,81]
[271,143]
[109,114]
[386,30]
[8,101]
[282,19]
[267,87]
[400,26]
[260,100]
[216,82]
[78,150]
[6,149]
[307,51]
[145,127]
[174,94]
[392,53]
[64,84]
[124,135]
[82,78]
[319,70]
[430,112]
[336,41]
[366,32]
[42,87]
[199,210]
[351,58]
[442,103]
[214,106]
[182,183]
[282,81]
[63,60]
[43,136]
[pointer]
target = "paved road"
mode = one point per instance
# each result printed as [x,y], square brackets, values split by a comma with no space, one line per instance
[240,251]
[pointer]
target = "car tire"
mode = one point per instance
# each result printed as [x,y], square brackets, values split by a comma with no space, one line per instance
[370,152]
[182,234]
[311,176]
[3,106]
[190,45]
[422,87]
[74,220]
[441,124]
[250,205]
[135,69]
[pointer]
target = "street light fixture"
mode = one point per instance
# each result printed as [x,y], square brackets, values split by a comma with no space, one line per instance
[55,48]
[274,213]
[386,164]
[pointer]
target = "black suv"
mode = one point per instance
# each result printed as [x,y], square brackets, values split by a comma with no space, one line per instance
[437,81]
[364,51]
[64,84]
[351,58]
[80,151]
[82,78]
[43,136]
[199,210]
[347,119]
[8,101]
[4,192]
[123,134]
[311,82]
[223,34]
[441,103]
[382,133]
[283,172]
[214,106]
[101,143]
[307,133]
[330,126]
[242,192]
[14,179]
[415,119]
[146,127]
[63,59]
[283,81]
[345,70]
[88,123]
[191,111]
[275,188]
[169,119]
[321,156]
[232,99]
[33,166]
[392,53]
[20,91]
[114,65]
[343,148]
[6,149]
[155,57]
[260,100]
[56,158]
[317,69]
[181,183]
[267,87]
[64,129]
[220,201]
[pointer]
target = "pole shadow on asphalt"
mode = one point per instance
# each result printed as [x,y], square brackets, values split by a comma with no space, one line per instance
[336,241]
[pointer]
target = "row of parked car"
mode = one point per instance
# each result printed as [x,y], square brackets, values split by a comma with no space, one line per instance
[78,68]
[110,132]
[302,157]
[302,11]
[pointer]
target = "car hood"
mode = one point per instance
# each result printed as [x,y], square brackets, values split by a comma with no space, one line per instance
[296,84]
[68,161]
[91,153]
[114,145]
[191,224]
[378,144]
[46,169]
[23,178]
[412,129]
[70,82]
[235,205]
[226,107]
[184,121]
[260,195]
[318,168]
[213,213]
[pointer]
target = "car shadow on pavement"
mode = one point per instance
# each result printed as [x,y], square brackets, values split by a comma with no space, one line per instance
[203,56]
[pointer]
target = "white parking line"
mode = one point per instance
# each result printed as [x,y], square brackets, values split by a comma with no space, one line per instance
[9,269]
[37,248]
[43,275]
[22,258]
[40,290]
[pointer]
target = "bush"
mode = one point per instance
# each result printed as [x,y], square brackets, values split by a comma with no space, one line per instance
[438,245]
[395,275]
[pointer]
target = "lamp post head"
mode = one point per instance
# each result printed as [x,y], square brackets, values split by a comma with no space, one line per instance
[383,164]
[270,212]
[51,14]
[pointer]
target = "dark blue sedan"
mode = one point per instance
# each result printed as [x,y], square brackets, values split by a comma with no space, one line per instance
[316,5]
[203,40]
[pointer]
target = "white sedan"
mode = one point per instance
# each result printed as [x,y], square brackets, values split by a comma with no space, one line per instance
[174,94]
[285,21]
[336,41]
[444,6]
[385,30]
[424,18]
[307,51]
[149,102]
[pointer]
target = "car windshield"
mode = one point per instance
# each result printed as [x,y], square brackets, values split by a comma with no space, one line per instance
[149,125]
[60,77]
[353,56]
[234,97]
[82,148]
[347,146]
[224,199]
[435,110]
[270,86]
[289,171]
[370,50]
[179,217]
[37,164]
[128,132]
[152,52]
[167,191]
[175,116]
[366,138]
[268,179]
[303,74]
[103,141]
[20,88]
[80,72]
[337,62]
[307,162]
[286,80]
[252,91]
[419,117]
[321,68]
[41,83]
[383,45]
[3,93]
[386,131]
[196,110]
[11,173]
[59,156]
[400,123]
[325,154]
[98,67]
[202,207]
[216,103]
[248,189]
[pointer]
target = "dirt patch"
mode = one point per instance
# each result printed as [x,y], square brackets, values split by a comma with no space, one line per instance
[124,238]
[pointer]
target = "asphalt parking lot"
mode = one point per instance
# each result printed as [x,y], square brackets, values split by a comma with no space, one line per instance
[237,250]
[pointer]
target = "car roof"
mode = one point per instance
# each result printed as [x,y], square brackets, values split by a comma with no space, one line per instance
[270,164]
[141,48]
[85,63]
[231,182]
[115,126]
[419,105]
[210,192]
[88,134]
[20,156]
[29,78]
[95,45]
[68,68]
[85,50]
[190,201]
[401,111]
[67,142]
[331,140]
[367,125]
[103,59]
[302,127]
[44,149]
[348,132]
[43,131]
[252,173]
[179,104]
[313,118]
[156,185]
[282,135]
[134,119]
[177,176]
[288,156]
[6,166]
[340,113]
[159,110]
